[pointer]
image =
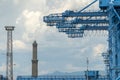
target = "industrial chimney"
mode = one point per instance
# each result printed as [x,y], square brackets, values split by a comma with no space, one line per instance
[34,60]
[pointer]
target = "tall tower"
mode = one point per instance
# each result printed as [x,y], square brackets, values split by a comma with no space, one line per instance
[9,67]
[34,60]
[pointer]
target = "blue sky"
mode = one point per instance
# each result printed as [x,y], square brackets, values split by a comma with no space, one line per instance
[56,52]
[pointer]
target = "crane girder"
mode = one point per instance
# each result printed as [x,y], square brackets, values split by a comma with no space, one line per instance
[74,33]
[69,13]
[83,28]
[86,27]
[62,17]
[80,21]
[67,22]
[65,25]
[79,32]
[107,20]
[53,19]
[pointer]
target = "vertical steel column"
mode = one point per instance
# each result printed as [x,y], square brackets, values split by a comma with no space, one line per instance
[9,67]
[87,68]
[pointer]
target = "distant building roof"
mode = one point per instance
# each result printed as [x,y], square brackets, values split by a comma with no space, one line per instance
[57,77]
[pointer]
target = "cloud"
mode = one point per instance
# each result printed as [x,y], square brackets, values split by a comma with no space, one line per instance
[31,23]
[55,49]
[16,2]
[98,49]
[31,20]
[32,17]
[18,44]
[76,5]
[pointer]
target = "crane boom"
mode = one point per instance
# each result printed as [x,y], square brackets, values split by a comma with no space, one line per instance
[88,5]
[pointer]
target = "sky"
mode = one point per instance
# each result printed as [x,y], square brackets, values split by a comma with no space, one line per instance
[56,52]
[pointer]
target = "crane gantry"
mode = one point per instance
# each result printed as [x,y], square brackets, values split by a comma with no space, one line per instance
[72,27]
[74,24]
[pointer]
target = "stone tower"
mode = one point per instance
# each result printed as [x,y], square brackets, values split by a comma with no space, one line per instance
[34,60]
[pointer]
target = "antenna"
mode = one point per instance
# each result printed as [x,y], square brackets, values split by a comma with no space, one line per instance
[87,61]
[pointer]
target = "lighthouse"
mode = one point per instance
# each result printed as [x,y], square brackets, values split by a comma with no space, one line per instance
[34,60]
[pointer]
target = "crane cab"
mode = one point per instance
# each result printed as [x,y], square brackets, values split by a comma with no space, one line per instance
[104,4]
[116,3]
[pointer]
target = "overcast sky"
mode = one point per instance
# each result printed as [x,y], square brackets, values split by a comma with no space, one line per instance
[56,52]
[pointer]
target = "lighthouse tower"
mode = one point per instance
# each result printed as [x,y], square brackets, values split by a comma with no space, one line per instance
[34,60]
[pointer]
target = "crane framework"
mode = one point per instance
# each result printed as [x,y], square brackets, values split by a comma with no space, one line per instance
[74,24]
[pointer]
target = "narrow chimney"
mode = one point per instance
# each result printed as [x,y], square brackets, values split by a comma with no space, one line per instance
[34,60]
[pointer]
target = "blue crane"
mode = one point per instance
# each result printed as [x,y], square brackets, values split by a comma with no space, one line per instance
[89,20]
[107,18]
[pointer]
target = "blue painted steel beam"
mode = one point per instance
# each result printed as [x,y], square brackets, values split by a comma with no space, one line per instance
[94,28]
[80,21]
[65,25]
[69,13]
[61,17]
[82,29]
[53,19]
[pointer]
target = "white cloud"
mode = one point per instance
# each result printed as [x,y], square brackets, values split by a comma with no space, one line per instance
[19,44]
[33,24]
[76,5]
[98,49]
[32,17]
[30,26]
[31,20]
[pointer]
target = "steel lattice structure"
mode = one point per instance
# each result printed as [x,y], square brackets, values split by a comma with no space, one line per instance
[9,67]
[107,19]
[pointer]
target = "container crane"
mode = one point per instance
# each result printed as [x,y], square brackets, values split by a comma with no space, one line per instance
[108,18]
[89,20]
